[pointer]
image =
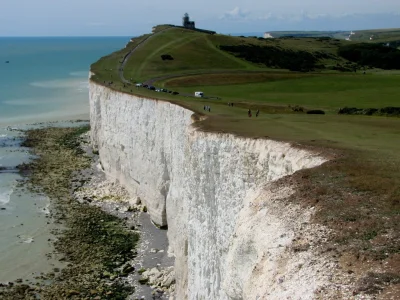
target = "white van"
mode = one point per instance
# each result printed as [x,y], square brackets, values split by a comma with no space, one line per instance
[198,94]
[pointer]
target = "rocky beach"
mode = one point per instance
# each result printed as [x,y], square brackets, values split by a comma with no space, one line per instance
[109,247]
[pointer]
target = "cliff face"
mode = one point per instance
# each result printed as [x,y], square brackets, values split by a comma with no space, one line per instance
[228,225]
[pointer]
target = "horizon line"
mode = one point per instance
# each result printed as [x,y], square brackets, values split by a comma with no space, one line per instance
[130,36]
[63,36]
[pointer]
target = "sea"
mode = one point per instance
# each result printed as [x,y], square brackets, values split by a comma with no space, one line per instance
[43,82]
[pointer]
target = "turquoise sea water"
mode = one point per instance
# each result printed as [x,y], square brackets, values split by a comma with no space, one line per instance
[45,79]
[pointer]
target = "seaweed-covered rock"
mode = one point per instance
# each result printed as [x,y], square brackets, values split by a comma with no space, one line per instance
[93,240]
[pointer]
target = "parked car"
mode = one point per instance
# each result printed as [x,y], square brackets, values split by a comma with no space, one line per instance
[164,90]
[198,94]
[158,90]
[152,88]
[175,93]
[145,86]
[139,84]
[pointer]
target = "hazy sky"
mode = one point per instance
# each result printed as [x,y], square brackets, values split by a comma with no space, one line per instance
[128,17]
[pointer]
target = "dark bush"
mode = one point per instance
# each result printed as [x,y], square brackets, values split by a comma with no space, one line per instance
[316,112]
[373,55]
[370,111]
[349,111]
[385,111]
[276,57]
[166,57]
[392,111]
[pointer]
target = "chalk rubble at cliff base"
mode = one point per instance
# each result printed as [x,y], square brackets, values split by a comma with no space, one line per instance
[231,228]
[114,199]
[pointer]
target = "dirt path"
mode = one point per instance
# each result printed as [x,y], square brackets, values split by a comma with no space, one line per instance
[127,56]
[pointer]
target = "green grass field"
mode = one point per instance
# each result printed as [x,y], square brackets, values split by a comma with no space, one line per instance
[328,92]
[364,173]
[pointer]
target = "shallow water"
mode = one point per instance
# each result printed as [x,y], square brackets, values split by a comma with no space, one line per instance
[23,216]
[45,80]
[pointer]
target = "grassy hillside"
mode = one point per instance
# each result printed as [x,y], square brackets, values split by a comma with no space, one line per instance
[200,63]
[378,35]
[356,194]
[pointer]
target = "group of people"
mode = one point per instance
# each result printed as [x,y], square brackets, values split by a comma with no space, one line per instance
[249,113]
[207,108]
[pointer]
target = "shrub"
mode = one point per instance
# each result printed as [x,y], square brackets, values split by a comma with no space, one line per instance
[373,55]
[276,57]
[166,57]
[316,112]
[385,111]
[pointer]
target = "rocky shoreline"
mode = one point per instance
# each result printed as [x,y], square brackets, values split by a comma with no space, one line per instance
[100,241]
[154,275]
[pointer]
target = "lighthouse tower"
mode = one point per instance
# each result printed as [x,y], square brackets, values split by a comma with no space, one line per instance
[187,23]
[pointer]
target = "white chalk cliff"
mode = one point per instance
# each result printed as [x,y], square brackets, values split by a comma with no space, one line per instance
[229,226]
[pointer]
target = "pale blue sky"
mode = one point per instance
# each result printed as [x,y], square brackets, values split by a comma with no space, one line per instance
[127,17]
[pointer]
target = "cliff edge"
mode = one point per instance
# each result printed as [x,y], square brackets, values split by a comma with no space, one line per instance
[230,228]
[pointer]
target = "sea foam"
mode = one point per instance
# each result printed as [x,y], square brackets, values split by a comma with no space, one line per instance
[79,74]
[5,196]
[57,83]
[28,101]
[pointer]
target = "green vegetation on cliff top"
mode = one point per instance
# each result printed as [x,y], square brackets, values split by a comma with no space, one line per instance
[262,83]
[253,73]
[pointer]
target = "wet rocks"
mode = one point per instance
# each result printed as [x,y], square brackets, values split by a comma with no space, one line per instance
[128,268]
[163,279]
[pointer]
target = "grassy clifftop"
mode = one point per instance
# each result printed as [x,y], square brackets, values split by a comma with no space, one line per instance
[356,194]
[254,73]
